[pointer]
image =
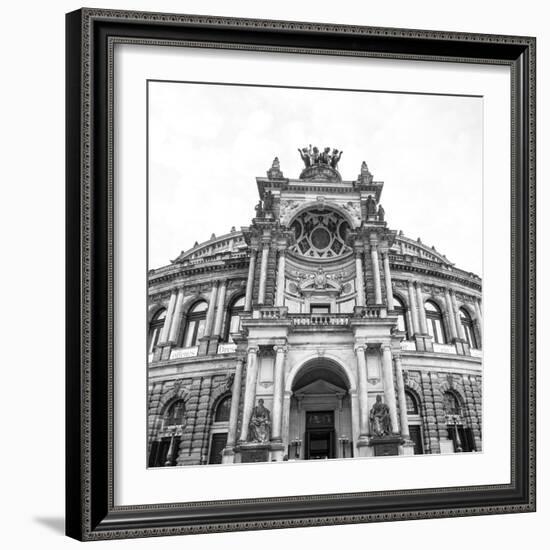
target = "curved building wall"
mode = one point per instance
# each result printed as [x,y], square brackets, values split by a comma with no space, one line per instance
[320,311]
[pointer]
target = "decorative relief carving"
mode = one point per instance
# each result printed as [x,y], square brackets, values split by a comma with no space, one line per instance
[293,288]
[354,210]
[320,280]
[287,209]
[228,382]
[400,284]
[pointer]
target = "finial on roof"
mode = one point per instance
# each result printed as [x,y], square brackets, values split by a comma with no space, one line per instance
[365,176]
[275,173]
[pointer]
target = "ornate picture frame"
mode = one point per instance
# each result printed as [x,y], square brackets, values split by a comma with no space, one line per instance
[91,337]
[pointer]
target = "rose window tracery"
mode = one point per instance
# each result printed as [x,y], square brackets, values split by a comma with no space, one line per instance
[320,234]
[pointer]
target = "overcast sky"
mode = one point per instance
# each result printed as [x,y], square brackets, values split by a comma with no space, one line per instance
[207,144]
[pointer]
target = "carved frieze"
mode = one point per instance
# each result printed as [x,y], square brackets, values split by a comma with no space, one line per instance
[287,209]
[354,210]
[400,284]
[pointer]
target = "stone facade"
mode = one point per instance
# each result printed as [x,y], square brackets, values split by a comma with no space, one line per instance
[274,341]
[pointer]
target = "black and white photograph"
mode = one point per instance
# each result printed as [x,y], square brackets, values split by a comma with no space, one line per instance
[315,274]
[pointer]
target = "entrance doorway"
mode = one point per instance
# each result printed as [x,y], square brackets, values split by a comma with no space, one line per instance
[319,435]
[320,425]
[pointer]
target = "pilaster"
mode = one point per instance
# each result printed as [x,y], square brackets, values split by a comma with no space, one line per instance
[363,390]
[376,274]
[250,280]
[228,452]
[250,390]
[359,279]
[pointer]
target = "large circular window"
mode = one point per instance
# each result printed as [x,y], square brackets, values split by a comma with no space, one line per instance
[320,234]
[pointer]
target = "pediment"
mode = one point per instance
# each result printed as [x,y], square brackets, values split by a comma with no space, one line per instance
[320,387]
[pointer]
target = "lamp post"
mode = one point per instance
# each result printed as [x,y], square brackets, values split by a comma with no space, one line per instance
[170,454]
[455,418]
[296,443]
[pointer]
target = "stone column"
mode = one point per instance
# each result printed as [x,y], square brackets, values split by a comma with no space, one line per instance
[376,274]
[176,322]
[389,391]
[168,321]
[363,391]
[450,314]
[278,386]
[359,279]
[220,308]
[413,309]
[401,395]
[250,281]
[280,297]
[421,310]
[263,273]
[235,399]
[459,327]
[211,309]
[387,280]
[479,318]
[249,390]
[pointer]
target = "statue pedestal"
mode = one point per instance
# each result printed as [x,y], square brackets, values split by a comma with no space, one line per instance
[407,449]
[363,447]
[228,455]
[387,445]
[254,452]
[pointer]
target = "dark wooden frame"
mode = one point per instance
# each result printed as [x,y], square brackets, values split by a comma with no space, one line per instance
[91,34]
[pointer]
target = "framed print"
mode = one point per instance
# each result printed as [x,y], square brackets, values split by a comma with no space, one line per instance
[300,274]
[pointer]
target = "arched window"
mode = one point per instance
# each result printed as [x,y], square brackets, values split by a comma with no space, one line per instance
[218,431]
[155,328]
[174,415]
[468,326]
[401,312]
[412,405]
[458,431]
[223,409]
[196,321]
[451,406]
[434,320]
[414,421]
[234,324]
[165,449]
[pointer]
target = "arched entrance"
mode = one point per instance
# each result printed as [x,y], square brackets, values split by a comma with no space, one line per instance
[320,419]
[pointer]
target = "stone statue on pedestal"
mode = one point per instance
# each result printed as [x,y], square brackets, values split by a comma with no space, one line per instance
[268,201]
[380,421]
[306,156]
[381,213]
[371,206]
[259,428]
[335,159]
[259,210]
[312,156]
